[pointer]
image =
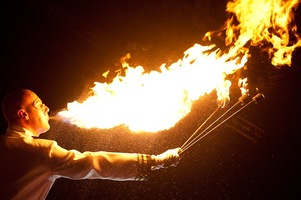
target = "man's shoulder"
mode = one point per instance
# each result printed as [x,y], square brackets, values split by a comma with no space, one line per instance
[42,143]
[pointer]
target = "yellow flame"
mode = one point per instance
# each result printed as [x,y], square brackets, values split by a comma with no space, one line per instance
[157,100]
[243,86]
[267,23]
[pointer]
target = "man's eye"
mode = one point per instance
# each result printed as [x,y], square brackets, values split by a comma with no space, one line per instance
[38,104]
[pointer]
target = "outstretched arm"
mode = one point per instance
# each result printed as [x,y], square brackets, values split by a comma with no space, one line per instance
[109,165]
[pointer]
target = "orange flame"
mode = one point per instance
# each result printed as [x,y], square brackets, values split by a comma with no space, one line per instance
[268,23]
[157,100]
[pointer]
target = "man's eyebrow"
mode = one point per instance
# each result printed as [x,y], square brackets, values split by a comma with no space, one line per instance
[37,100]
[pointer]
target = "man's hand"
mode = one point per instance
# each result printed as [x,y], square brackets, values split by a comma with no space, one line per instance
[169,158]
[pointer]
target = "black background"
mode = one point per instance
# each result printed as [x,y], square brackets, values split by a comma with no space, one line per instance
[59,48]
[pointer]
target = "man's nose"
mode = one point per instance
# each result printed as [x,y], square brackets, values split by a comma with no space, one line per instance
[46,109]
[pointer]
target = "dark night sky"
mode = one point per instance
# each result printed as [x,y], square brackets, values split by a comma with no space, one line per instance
[59,48]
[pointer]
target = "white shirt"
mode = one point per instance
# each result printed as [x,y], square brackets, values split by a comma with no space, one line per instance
[29,166]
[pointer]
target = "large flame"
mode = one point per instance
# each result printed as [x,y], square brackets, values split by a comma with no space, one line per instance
[157,100]
[266,23]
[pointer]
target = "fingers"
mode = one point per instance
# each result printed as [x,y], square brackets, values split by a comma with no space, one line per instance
[169,158]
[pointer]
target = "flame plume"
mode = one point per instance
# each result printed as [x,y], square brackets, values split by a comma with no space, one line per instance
[268,23]
[157,100]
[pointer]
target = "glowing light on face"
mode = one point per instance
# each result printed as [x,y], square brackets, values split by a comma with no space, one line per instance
[157,100]
[38,104]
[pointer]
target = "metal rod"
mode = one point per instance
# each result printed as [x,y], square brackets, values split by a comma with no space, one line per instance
[256,98]
[195,132]
[191,141]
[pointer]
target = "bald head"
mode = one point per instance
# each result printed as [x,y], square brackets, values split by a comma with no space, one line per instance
[14,101]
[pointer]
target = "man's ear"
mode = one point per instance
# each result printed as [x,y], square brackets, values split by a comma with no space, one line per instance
[23,114]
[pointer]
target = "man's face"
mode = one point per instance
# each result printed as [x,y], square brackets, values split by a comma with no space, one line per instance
[38,114]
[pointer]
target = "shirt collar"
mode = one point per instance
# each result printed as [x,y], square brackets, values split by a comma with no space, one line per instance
[18,131]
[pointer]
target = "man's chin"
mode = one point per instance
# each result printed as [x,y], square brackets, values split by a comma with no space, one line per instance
[45,128]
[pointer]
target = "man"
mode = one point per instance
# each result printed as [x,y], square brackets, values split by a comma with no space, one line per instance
[29,165]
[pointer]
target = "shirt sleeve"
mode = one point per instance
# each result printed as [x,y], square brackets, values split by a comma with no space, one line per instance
[92,165]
